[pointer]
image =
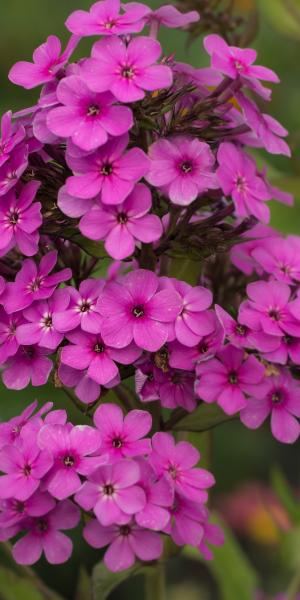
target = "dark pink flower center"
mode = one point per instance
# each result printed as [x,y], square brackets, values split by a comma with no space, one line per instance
[27,470]
[106,170]
[35,285]
[109,24]
[125,530]
[93,110]
[117,443]
[127,72]
[241,183]
[238,65]
[122,218]
[274,314]
[99,348]
[69,461]
[47,321]
[241,330]
[84,306]
[42,525]
[13,217]
[108,490]
[138,311]
[203,348]
[277,397]
[19,506]
[172,470]
[232,378]
[186,167]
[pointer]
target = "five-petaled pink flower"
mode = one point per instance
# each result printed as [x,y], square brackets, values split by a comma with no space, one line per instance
[105,18]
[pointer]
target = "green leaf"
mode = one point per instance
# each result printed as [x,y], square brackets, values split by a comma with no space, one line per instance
[284,16]
[83,590]
[205,417]
[12,587]
[95,249]
[230,567]
[283,490]
[290,549]
[104,581]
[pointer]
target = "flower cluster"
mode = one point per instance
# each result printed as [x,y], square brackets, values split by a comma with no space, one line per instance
[134,160]
[131,490]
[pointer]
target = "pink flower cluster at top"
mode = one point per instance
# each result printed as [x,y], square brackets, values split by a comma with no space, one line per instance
[133,157]
[131,488]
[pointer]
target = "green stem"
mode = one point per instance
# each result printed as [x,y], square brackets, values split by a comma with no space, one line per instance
[156,583]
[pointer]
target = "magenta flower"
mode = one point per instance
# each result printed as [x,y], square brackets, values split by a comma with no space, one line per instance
[281,260]
[126,543]
[12,170]
[111,492]
[182,167]
[241,336]
[238,178]
[47,62]
[10,430]
[29,364]
[127,70]
[34,283]
[11,136]
[88,351]
[109,171]
[236,62]
[124,225]
[186,524]
[86,117]
[170,17]
[20,219]
[104,18]
[44,535]
[135,310]
[159,494]
[268,308]
[176,388]
[82,310]
[227,378]
[278,397]
[214,536]
[70,451]
[121,436]
[181,357]
[8,340]
[288,348]
[39,328]
[71,205]
[177,462]
[194,320]
[13,511]
[24,467]
[145,383]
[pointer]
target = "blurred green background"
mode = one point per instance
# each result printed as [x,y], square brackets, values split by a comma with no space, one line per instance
[239,456]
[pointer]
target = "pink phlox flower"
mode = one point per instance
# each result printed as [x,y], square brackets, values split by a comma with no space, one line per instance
[23,465]
[113,493]
[242,336]
[136,310]
[108,17]
[278,397]
[110,171]
[159,494]
[123,437]
[182,167]
[11,430]
[241,255]
[268,308]
[181,357]
[236,62]
[170,17]
[194,320]
[127,70]
[82,310]
[20,218]
[72,206]
[33,282]
[88,351]
[71,450]
[8,328]
[29,364]
[126,543]
[288,348]
[227,378]
[146,385]
[268,131]
[39,327]
[11,135]
[177,462]
[238,178]
[12,170]
[280,260]
[124,225]
[85,388]
[44,535]
[176,388]
[185,526]
[47,62]
[14,511]
[87,117]
[214,536]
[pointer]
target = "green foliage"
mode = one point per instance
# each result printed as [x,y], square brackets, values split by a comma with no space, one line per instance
[13,587]
[284,15]
[104,581]
[207,416]
[283,490]
[236,577]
